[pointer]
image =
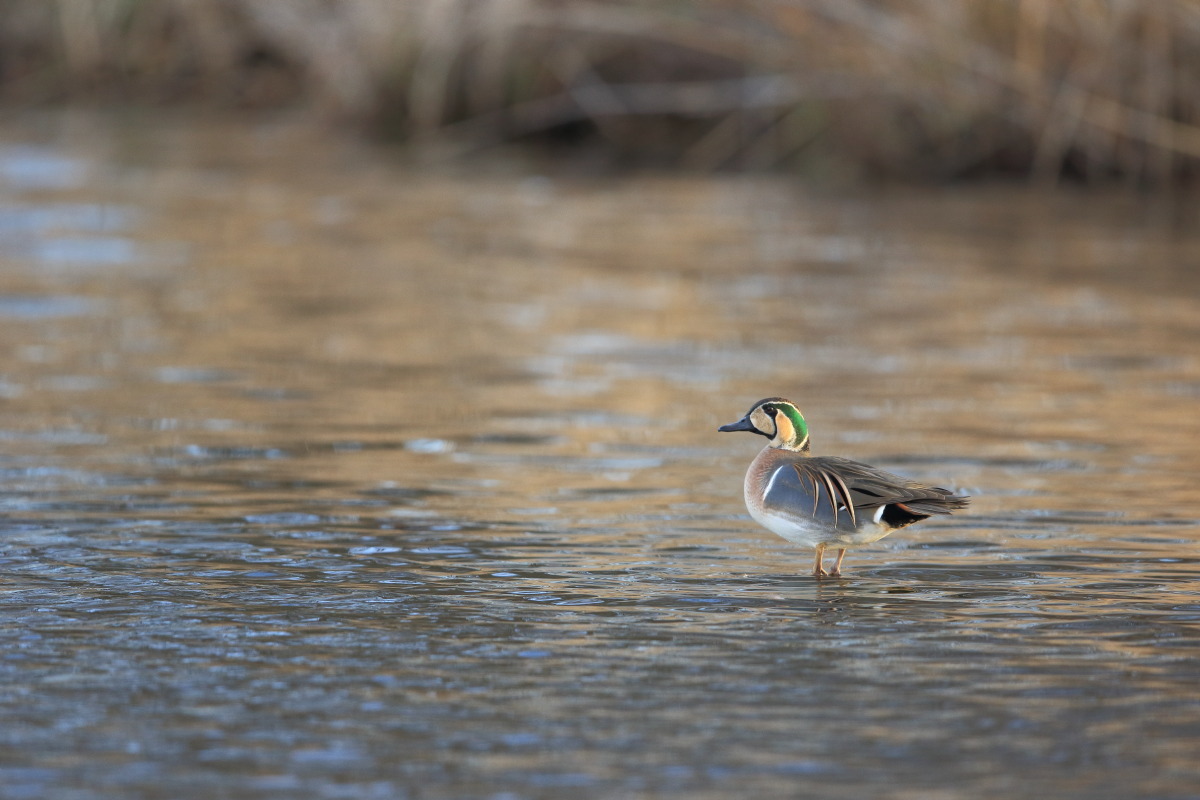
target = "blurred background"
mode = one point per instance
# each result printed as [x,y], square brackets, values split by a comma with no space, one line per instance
[931,91]
[361,364]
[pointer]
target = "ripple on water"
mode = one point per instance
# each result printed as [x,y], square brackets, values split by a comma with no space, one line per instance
[47,306]
[354,511]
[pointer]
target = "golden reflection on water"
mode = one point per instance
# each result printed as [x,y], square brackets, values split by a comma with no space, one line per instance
[450,434]
[521,338]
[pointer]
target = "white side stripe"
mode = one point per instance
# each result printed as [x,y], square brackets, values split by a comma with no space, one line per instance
[879,513]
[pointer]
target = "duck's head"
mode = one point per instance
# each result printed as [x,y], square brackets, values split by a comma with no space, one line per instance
[778,420]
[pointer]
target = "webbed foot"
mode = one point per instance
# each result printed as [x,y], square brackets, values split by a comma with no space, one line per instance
[837,565]
[818,567]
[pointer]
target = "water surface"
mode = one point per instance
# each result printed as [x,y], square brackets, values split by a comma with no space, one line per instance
[328,475]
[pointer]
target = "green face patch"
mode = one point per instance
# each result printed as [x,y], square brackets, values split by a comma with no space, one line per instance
[796,418]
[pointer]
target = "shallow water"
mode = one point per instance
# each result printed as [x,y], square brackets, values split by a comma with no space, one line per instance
[328,475]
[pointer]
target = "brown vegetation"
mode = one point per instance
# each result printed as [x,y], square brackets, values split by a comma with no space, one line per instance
[929,89]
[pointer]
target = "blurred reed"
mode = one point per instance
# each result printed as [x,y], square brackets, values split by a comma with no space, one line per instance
[1097,90]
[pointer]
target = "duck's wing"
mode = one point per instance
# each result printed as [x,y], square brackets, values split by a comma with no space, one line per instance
[807,490]
[844,493]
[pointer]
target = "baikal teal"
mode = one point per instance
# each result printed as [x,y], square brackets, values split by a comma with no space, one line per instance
[824,501]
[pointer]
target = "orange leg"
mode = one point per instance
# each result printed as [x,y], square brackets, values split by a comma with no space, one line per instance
[818,569]
[837,565]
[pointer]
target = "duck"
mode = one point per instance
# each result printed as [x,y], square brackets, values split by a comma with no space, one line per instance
[826,501]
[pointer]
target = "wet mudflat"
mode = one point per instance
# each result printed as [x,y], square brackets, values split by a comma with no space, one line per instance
[325,475]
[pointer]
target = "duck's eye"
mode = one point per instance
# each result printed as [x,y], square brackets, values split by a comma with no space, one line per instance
[769,410]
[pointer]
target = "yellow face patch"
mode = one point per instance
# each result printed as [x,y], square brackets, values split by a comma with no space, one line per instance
[784,430]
